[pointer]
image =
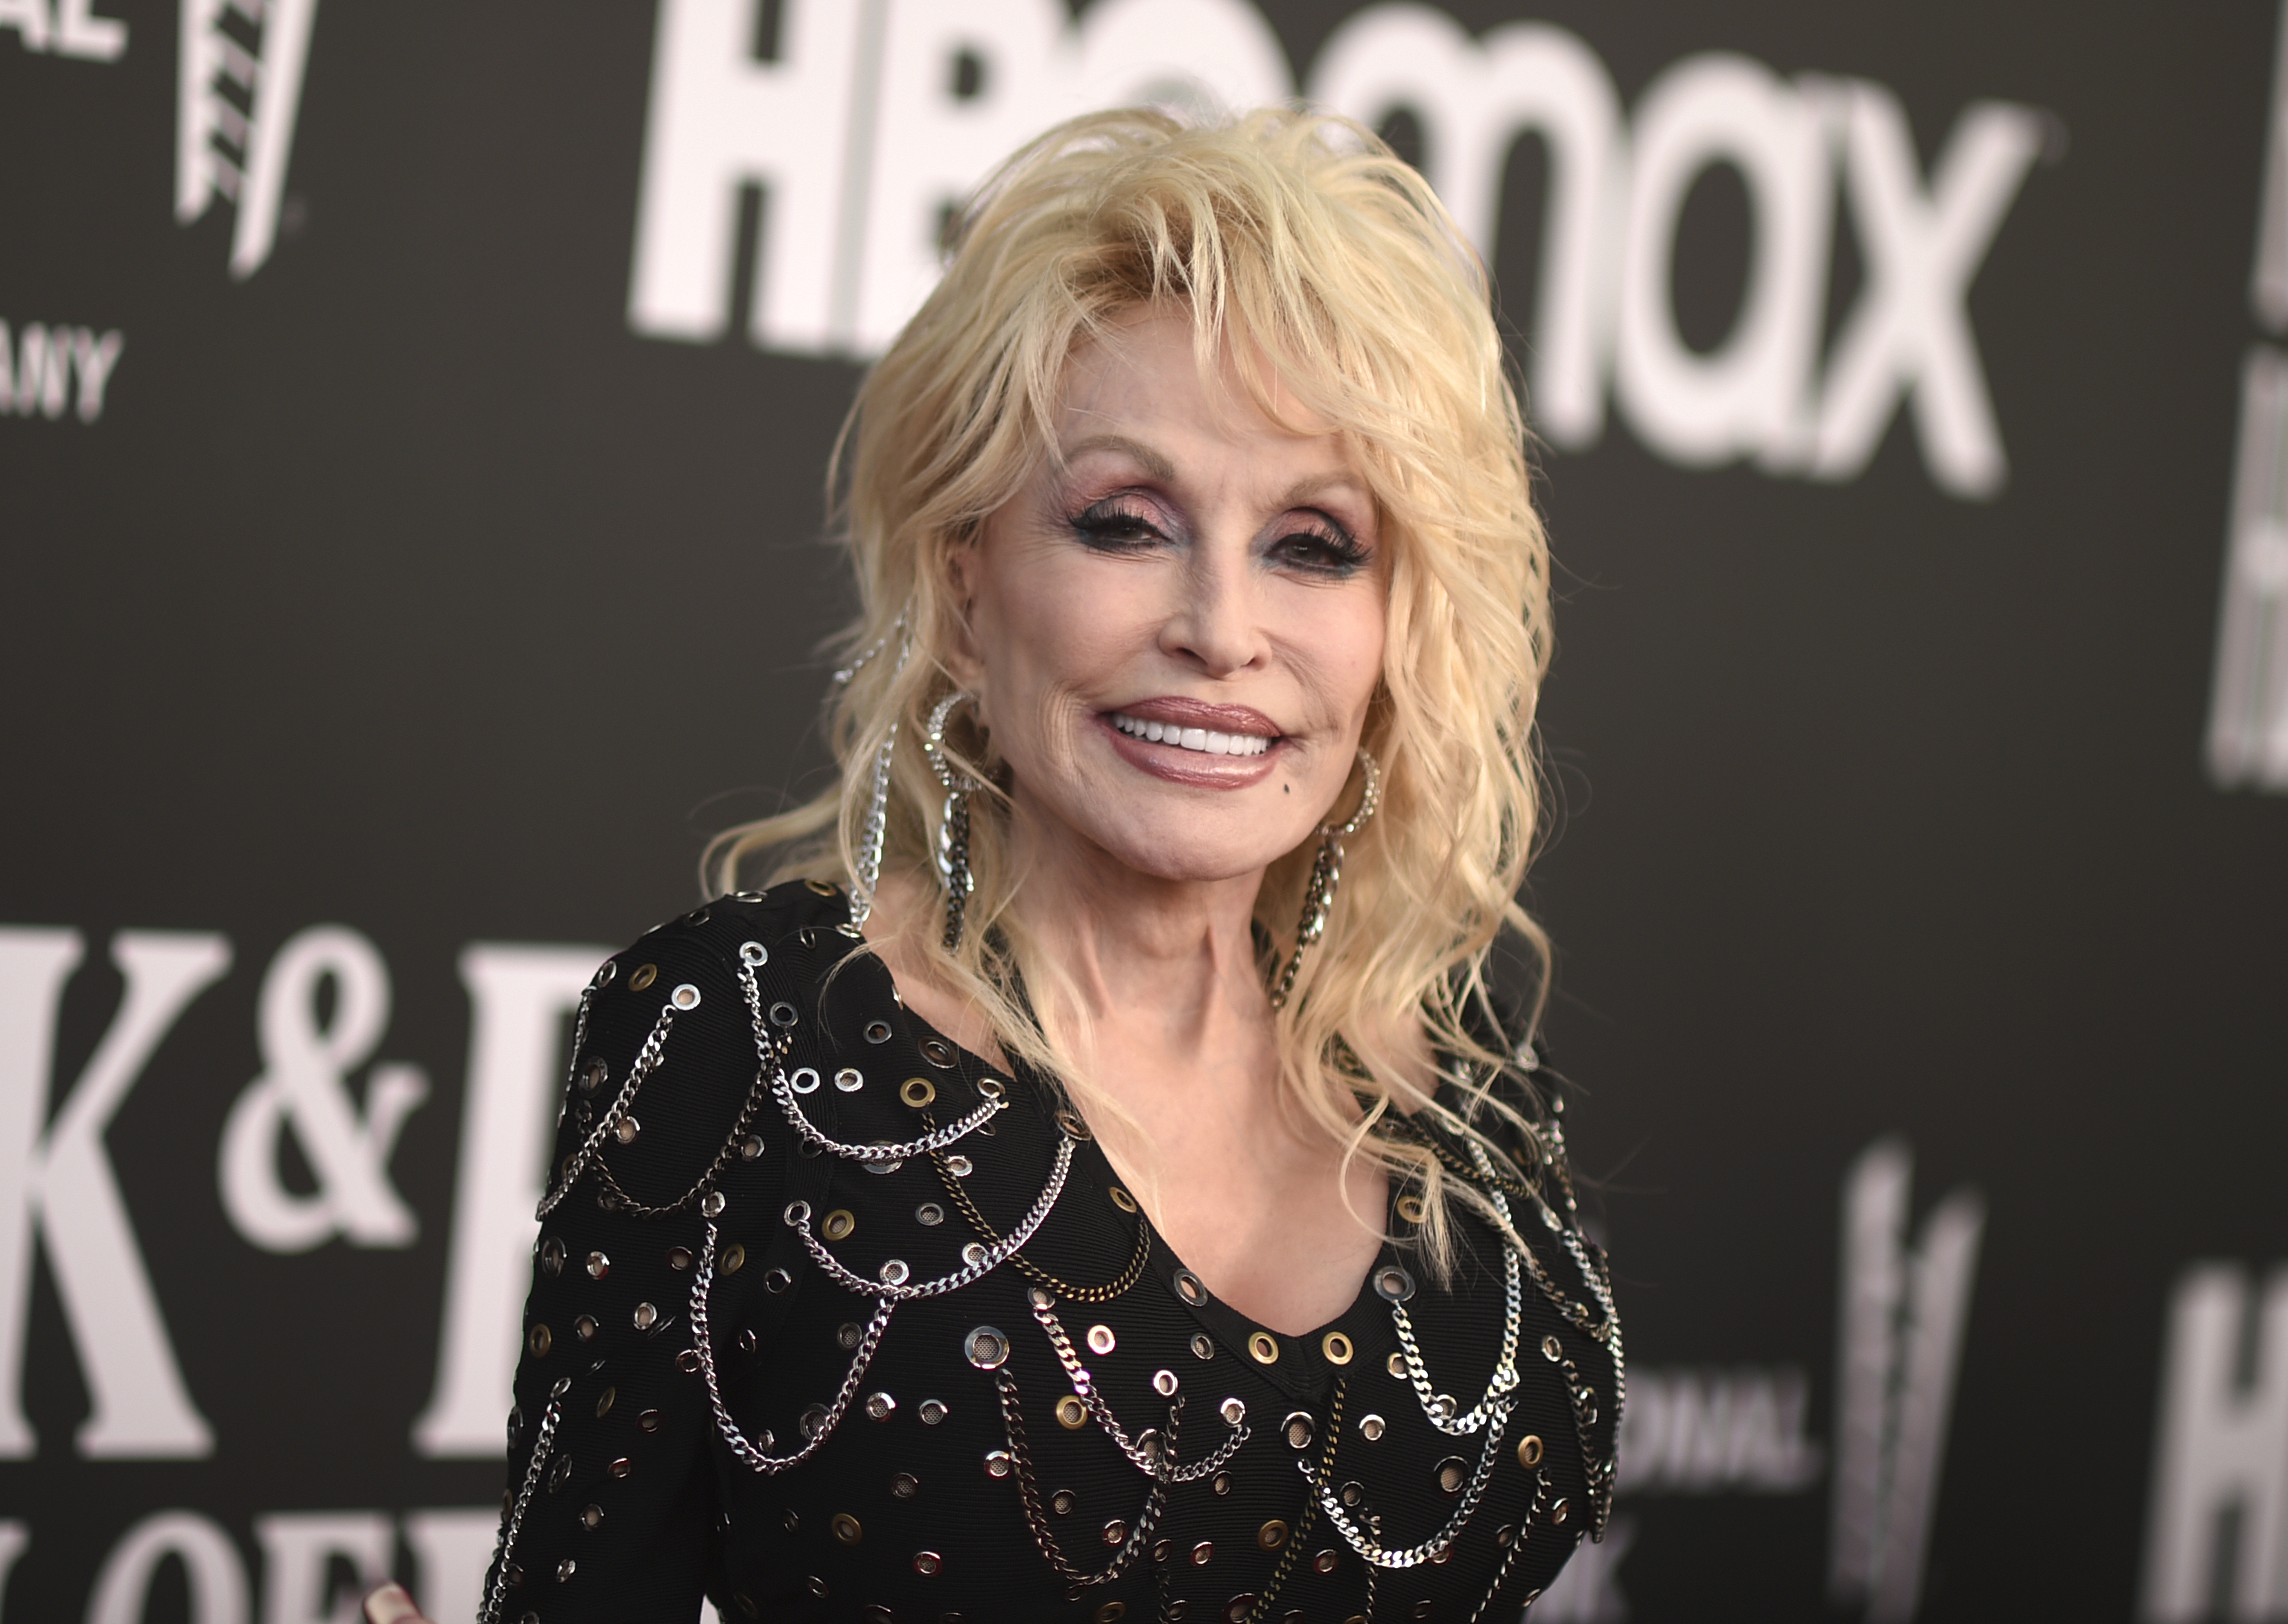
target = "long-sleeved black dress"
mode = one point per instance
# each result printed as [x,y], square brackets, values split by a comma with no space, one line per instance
[832,1319]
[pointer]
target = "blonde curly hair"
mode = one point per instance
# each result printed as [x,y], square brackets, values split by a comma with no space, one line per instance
[1311,259]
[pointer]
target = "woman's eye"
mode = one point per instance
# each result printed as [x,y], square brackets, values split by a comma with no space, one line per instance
[1108,526]
[1330,550]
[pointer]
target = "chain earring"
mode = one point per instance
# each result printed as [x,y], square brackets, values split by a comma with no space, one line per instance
[1326,873]
[868,875]
[953,823]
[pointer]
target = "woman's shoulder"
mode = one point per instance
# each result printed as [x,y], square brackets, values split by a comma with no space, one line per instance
[673,1041]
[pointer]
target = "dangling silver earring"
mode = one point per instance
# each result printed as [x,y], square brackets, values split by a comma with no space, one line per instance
[863,883]
[953,823]
[1326,873]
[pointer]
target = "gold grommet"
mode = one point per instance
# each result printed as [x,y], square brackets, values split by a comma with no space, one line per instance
[1272,1535]
[539,1340]
[847,1528]
[917,1091]
[643,978]
[734,1259]
[1529,1451]
[1263,1348]
[1072,1414]
[1337,1347]
[820,888]
[838,1224]
[1123,1200]
[1409,1207]
[1111,1612]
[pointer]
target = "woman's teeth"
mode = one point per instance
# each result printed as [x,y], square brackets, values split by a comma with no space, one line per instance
[1200,739]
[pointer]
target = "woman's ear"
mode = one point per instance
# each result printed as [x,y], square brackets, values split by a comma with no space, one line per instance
[963,568]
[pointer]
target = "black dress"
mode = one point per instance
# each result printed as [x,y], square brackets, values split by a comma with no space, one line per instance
[831,1320]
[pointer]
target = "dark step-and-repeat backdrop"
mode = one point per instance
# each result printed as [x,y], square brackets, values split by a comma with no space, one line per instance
[412,422]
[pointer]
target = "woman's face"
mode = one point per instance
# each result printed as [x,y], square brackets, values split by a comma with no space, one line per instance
[1174,629]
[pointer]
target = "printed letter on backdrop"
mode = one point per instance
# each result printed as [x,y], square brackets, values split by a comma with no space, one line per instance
[520,997]
[1472,101]
[1910,329]
[720,119]
[217,1578]
[1748,394]
[60,1185]
[2221,1446]
[298,1551]
[306,1083]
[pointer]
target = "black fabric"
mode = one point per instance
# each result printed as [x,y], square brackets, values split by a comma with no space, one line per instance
[639,1502]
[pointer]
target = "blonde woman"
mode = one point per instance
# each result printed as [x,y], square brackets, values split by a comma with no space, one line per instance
[1095,1181]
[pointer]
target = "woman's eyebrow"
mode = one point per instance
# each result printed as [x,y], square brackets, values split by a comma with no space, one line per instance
[1150,460]
[1306,490]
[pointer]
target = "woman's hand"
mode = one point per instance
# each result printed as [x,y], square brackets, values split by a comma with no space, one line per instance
[391,1604]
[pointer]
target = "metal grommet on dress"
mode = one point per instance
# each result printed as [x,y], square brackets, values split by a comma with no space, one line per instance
[838,1225]
[987,1348]
[685,997]
[1202,1347]
[754,954]
[877,1032]
[1336,1347]
[1263,1347]
[1069,1120]
[936,1050]
[849,1080]
[1370,1427]
[917,1092]
[1530,1450]
[1072,1412]
[804,1080]
[1101,1339]
[644,976]
[1393,1284]
[1453,1472]
[1189,1287]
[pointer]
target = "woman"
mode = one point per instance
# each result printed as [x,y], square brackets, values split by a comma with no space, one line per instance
[1114,1191]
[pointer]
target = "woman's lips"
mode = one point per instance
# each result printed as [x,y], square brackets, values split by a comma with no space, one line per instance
[1244,759]
[1201,740]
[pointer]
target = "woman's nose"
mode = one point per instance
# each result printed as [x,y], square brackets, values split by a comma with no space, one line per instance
[1215,623]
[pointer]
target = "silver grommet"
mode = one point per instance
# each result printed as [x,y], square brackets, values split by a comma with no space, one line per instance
[685,997]
[754,954]
[804,1081]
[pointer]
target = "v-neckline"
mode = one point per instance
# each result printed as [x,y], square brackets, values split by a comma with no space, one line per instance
[1088,1148]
